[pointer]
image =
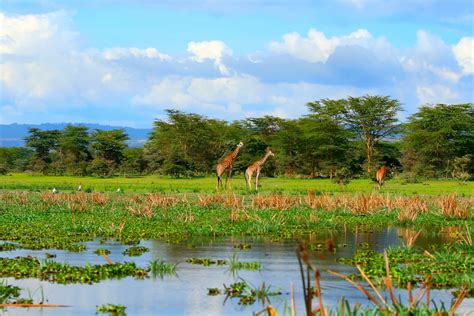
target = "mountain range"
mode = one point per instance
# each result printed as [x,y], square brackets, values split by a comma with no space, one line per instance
[12,135]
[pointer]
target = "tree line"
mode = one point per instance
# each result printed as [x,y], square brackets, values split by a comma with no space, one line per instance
[337,139]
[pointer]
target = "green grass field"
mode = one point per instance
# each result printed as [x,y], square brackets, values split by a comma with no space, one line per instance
[146,184]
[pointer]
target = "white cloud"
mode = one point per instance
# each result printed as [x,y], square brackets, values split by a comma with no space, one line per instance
[464,53]
[213,50]
[227,96]
[316,47]
[435,94]
[47,72]
[128,52]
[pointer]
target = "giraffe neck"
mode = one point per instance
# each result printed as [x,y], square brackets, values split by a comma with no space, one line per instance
[262,161]
[234,153]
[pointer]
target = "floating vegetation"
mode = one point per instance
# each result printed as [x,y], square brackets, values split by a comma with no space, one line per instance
[206,261]
[243,246]
[8,247]
[245,293]
[235,264]
[111,309]
[102,251]
[135,251]
[30,267]
[8,292]
[159,268]
[449,266]
[213,291]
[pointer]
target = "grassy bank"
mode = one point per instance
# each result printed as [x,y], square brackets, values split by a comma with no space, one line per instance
[148,184]
[46,220]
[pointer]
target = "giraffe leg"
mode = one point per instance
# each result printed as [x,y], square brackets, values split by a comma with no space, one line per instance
[248,176]
[256,180]
[229,174]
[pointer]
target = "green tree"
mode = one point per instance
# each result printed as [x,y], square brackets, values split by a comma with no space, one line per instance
[134,161]
[328,139]
[372,118]
[73,149]
[108,148]
[195,137]
[435,136]
[15,158]
[43,143]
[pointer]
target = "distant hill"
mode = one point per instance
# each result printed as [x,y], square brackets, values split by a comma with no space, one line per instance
[11,135]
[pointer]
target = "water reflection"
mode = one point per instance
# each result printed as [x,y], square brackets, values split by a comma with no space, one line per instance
[186,293]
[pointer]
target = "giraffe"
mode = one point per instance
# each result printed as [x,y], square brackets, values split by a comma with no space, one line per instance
[380,175]
[227,164]
[256,167]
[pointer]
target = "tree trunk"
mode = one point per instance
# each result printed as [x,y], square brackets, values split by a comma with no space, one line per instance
[370,151]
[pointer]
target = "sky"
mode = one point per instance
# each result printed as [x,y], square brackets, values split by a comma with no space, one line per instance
[124,62]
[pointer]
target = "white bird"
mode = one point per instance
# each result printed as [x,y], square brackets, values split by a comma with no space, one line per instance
[79,188]
[119,190]
[55,191]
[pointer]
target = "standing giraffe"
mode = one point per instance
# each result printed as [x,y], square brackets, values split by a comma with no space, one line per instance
[256,166]
[227,164]
[380,175]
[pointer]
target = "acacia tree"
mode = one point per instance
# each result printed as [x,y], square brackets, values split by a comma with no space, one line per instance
[372,118]
[108,147]
[185,141]
[43,143]
[73,148]
[328,139]
[436,136]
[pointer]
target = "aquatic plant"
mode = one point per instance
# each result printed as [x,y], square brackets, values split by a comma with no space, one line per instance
[102,251]
[206,261]
[49,270]
[235,264]
[111,309]
[8,247]
[135,251]
[415,306]
[246,293]
[160,268]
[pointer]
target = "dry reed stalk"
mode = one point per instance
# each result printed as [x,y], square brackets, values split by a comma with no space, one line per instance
[33,305]
[459,300]
[420,293]
[318,292]
[277,202]
[107,258]
[119,230]
[206,199]
[371,285]
[49,198]
[365,204]
[451,206]
[293,303]
[428,254]
[99,198]
[409,236]
[234,215]
[388,279]
[359,287]
[410,292]
[186,217]
[158,200]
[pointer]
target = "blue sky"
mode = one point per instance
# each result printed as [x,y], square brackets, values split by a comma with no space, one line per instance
[124,62]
